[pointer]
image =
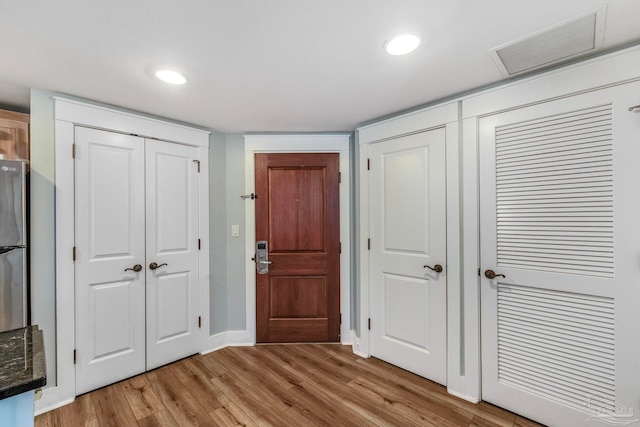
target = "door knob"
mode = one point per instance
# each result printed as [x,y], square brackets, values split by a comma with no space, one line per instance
[437,268]
[490,274]
[154,266]
[135,268]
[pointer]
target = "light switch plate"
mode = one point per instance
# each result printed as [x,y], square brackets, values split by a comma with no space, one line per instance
[235,231]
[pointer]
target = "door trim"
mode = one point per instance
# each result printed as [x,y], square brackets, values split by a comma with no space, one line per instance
[445,116]
[300,143]
[68,114]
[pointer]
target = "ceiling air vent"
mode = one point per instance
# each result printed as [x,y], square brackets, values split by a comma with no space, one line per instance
[572,38]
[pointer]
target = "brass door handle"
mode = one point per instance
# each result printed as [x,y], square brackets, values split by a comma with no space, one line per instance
[437,268]
[490,274]
[154,266]
[135,268]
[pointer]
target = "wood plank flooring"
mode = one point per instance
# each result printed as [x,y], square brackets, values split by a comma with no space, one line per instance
[277,385]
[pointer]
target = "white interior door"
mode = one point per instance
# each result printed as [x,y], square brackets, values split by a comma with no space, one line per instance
[559,218]
[172,243]
[110,238]
[408,233]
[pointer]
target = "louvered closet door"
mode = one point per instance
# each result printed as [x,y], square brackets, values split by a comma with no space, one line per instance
[560,218]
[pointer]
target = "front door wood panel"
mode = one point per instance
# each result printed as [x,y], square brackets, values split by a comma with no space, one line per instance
[297,212]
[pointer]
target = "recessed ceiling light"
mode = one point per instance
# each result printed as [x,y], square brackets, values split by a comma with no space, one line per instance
[171,77]
[402,44]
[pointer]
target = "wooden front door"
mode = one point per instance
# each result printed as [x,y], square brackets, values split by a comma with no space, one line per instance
[297,214]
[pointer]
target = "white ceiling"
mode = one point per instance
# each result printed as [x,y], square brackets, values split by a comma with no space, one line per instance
[271,65]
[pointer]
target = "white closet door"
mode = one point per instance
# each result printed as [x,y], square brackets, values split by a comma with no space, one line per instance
[172,243]
[110,302]
[560,219]
[408,232]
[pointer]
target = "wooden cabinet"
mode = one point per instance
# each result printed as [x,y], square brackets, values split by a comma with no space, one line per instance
[14,135]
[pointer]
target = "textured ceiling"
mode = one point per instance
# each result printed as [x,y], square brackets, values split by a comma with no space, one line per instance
[272,65]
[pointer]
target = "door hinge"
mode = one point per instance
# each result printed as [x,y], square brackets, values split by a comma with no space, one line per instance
[369,323]
[73,150]
[478,272]
[339,177]
[368,164]
[74,253]
[340,247]
[74,356]
[341,318]
[369,244]
[199,321]
[198,163]
[199,244]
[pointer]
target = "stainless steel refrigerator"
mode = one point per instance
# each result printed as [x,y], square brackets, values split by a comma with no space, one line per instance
[13,245]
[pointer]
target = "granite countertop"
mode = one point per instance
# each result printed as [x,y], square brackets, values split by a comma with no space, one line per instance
[22,365]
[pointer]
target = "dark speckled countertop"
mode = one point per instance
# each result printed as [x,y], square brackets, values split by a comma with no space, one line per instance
[22,365]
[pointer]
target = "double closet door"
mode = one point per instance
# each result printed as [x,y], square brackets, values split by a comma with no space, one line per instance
[136,255]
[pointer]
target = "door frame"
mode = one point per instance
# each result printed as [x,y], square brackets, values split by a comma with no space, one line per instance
[299,143]
[445,116]
[67,114]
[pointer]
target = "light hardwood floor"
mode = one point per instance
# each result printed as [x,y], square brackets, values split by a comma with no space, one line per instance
[277,385]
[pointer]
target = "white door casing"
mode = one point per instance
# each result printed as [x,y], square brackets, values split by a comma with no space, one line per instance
[109,239]
[69,114]
[408,233]
[293,143]
[172,239]
[560,341]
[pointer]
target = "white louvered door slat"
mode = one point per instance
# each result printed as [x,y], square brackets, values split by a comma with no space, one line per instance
[560,218]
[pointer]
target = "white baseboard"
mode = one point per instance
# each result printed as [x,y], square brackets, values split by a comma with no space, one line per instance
[347,339]
[471,399]
[355,345]
[51,400]
[227,339]
[363,355]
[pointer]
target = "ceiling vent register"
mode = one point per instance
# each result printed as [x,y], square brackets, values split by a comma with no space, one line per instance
[571,39]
